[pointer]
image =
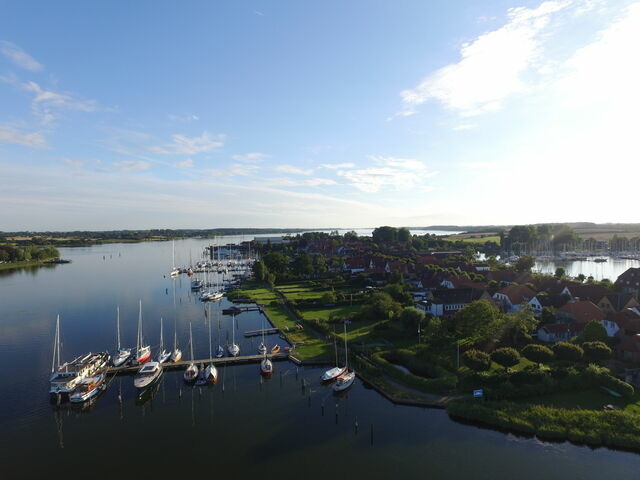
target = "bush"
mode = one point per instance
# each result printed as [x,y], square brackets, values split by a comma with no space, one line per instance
[596,351]
[506,357]
[567,351]
[476,360]
[537,353]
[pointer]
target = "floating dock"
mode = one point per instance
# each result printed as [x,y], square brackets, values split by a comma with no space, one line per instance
[266,331]
[215,361]
[235,310]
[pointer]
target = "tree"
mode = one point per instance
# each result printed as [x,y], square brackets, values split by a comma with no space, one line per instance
[506,357]
[476,360]
[537,353]
[276,262]
[479,320]
[385,234]
[381,306]
[411,317]
[259,270]
[560,272]
[548,315]
[525,263]
[567,351]
[404,235]
[399,293]
[593,332]
[319,264]
[581,277]
[328,297]
[302,265]
[516,326]
[596,351]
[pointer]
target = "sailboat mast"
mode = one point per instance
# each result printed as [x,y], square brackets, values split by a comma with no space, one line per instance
[346,354]
[161,341]
[139,339]
[118,325]
[56,347]
[209,319]
[191,341]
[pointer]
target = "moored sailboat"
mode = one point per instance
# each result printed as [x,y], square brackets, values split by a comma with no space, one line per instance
[176,353]
[164,354]
[345,380]
[143,352]
[208,374]
[336,371]
[122,354]
[233,349]
[191,373]
[88,388]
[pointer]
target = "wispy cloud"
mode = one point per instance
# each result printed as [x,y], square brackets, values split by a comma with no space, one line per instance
[491,66]
[132,165]
[336,166]
[250,157]
[73,162]
[480,165]
[294,182]
[234,170]
[183,118]
[294,170]
[45,104]
[16,137]
[397,173]
[183,145]
[188,163]
[19,57]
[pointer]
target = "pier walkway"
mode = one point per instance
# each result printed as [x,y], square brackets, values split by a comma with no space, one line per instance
[215,361]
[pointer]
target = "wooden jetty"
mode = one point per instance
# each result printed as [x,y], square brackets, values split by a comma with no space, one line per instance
[266,331]
[215,361]
[235,310]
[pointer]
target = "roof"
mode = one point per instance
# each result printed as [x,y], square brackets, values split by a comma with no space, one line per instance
[517,294]
[587,292]
[619,300]
[628,320]
[629,277]
[583,311]
[456,295]
[558,328]
[630,344]
[552,300]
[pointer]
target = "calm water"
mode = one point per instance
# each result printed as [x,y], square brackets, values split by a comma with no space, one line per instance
[610,269]
[246,429]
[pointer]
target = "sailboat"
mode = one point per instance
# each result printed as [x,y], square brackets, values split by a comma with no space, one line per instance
[191,373]
[209,374]
[164,354]
[88,388]
[122,354]
[219,349]
[233,349]
[176,353]
[336,371]
[262,348]
[174,271]
[345,380]
[143,352]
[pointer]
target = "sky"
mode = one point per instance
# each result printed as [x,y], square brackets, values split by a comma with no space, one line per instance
[266,113]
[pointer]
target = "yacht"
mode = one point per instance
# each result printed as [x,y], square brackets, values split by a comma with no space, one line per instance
[148,374]
[88,388]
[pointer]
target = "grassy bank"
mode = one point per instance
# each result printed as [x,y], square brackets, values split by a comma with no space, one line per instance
[616,428]
[25,264]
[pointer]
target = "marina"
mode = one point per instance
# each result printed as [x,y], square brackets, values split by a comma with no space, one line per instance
[279,422]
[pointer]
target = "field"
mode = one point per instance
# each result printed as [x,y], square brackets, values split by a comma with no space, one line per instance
[474,237]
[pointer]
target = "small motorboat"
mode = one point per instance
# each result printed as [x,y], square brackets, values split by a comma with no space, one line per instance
[88,388]
[275,349]
[148,374]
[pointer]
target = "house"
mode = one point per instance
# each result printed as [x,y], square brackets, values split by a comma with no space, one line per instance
[630,348]
[580,291]
[447,301]
[617,302]
[355,265]
[627,320]
[629,282]
[513,297]
[559,332]
[552,300]
[508,277]
[581,311]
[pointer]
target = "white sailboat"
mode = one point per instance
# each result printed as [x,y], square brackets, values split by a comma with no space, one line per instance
[209,374]
[345,380]
[266,366]
[174,271]
[262,348]
[191,373]
[88,388]
[122,354]
[143,352]
[164,354]
[233,349]
[176,353]
[336,371]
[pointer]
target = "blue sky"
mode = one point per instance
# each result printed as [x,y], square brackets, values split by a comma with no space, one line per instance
[317,114]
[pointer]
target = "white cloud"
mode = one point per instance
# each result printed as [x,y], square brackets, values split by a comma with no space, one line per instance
[73,162]
[132,165]
[463,126]
[306,182]
[336,166]
[183,145]
[182,118]
[234,170]
[480,165]
[398,173]
[250,157]
[20,57]
[11,135]
[294,170]
[188,163]
[491,68]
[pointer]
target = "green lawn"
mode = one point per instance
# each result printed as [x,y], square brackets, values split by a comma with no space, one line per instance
[488,238]
[584,400]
